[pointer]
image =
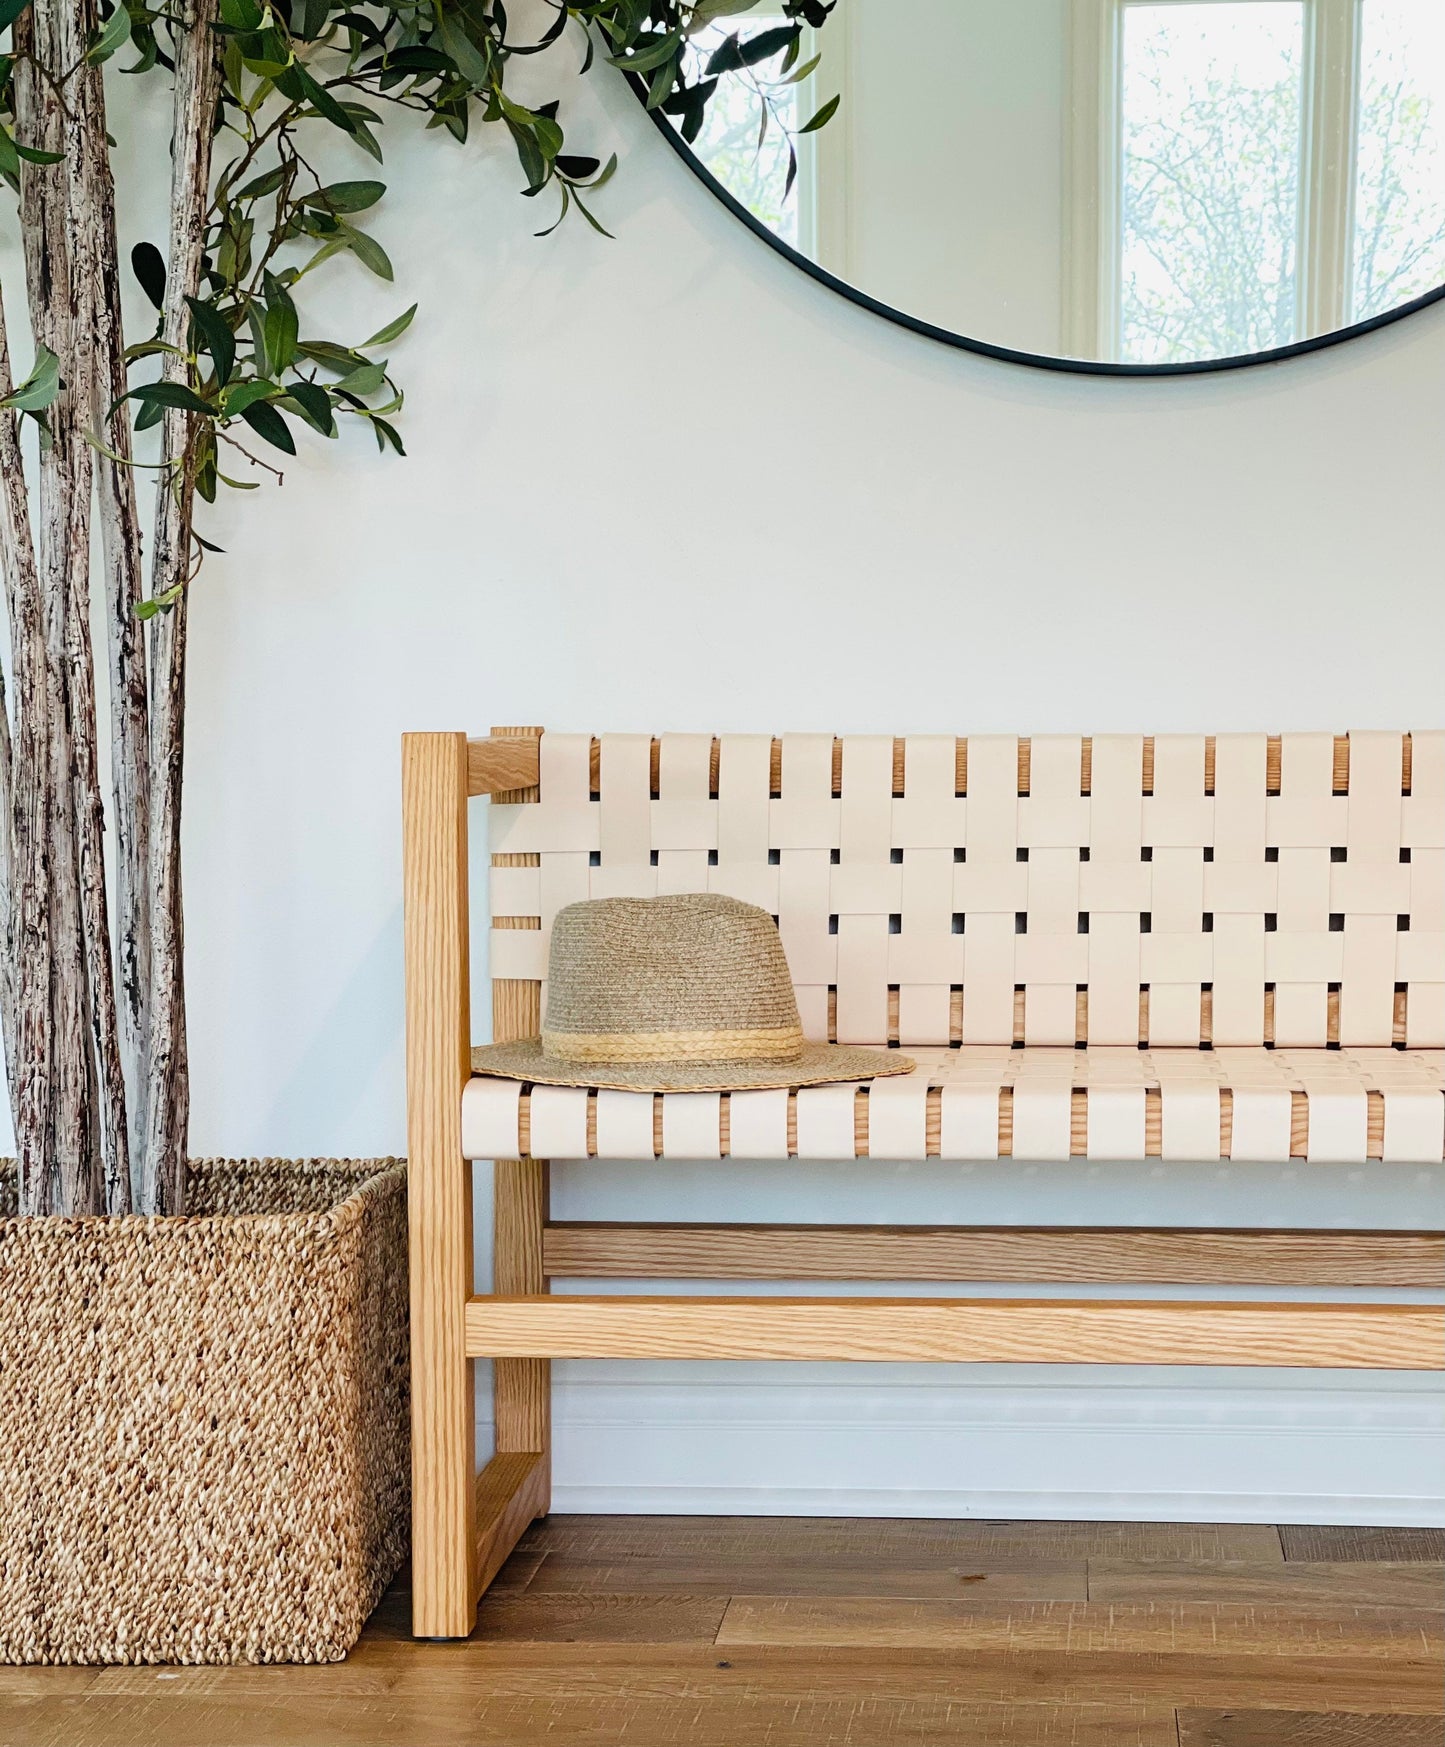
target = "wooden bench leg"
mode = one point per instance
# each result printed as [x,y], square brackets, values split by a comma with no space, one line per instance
[515,1488]
[439,1194]
[523,1387]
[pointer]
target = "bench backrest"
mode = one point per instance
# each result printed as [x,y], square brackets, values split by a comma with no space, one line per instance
[1174,890]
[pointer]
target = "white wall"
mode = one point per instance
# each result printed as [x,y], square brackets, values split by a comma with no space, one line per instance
[669,483]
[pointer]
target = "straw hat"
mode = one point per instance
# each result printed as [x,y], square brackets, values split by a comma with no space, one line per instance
[680,994]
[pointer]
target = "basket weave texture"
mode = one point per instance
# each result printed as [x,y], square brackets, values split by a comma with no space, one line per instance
[204,1451]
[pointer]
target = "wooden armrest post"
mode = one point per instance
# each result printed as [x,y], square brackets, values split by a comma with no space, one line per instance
[438,1063]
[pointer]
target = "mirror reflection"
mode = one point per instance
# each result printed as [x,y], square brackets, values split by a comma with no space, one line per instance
[1133,181]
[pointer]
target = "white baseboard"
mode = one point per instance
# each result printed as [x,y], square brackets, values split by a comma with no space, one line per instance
[1117,1446]
[958,1506]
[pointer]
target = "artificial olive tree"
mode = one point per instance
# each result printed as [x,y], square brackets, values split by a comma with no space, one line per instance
[92,989]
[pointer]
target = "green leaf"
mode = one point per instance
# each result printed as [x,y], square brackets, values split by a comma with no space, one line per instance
[12,153]
[330,356]
[159,603]
[385,434]
[706,12]
[260,186]
[279,327]
[534,165]
[601,229]
[266,422]
[767,43]
[40,387]
[468,59]
[10,10]
[346,196]
[822,117]
[654,54]
[242,15]
[393,330]
[235,401]
[168,394]
[219,341]
[149,267]
[360,132]
[270,55]
[801,73]
[364,381]
[297,84]
[368,251]
[109,37]
[312,403]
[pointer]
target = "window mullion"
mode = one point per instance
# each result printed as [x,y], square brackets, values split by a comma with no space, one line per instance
[1327,165]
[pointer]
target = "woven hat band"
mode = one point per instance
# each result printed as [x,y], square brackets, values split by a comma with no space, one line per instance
[753,1044]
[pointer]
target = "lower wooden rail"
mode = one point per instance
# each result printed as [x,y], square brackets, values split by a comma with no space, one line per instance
[1102,1255]
[972,1330]
[511,1492]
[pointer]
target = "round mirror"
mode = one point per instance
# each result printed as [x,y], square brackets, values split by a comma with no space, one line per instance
[1096,185]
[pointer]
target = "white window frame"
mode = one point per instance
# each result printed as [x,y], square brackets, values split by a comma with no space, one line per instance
[1094,169]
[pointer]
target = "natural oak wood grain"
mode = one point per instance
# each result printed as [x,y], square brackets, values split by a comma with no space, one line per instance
[988,1330]
[815,1543]
[511,1491]
[1296,1584]
[1310,1541]
[435,1715]
[618,1672]
[1305,1729]
[864,1621]
[522,1388]
[1099,1254]
[620,1617]
[638,1667]
[763,1573]
[503,764]
[434,855]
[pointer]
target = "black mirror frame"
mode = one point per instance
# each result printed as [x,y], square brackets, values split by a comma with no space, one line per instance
[984,348]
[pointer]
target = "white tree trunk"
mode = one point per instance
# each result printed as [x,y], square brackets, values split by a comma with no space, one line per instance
[129,705]
[57,41]
[167,1104]
[25,974]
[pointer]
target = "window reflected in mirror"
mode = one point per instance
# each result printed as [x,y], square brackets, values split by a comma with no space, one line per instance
[1130,181]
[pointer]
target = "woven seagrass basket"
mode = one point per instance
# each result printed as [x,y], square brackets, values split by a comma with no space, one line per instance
[204,1448]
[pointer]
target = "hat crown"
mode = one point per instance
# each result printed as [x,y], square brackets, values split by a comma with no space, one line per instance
[692,977]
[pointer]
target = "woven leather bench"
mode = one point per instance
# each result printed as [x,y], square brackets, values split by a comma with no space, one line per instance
[1182,948]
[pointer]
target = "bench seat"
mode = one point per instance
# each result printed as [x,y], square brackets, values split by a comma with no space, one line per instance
[1345,1106]
[984,904]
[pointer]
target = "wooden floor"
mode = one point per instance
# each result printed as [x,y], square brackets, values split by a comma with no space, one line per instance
[768,1632]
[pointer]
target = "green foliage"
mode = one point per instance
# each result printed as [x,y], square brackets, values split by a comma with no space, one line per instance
[38,389]
[296,73]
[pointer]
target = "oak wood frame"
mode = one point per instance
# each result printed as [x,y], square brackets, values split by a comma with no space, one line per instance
[465,1526]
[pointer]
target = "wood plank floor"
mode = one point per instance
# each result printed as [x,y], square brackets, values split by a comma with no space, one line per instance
[766,1632]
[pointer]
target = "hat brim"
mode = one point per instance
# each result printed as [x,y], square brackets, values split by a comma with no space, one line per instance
[820,1064]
